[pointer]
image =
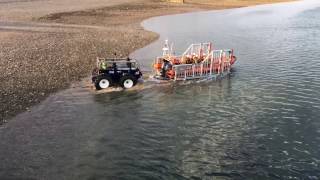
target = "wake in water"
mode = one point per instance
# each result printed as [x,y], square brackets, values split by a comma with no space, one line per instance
[149,82]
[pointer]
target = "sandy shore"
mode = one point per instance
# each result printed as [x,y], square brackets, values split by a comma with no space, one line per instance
[45,49]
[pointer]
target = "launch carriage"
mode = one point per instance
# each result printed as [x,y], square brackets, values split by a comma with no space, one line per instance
[199,61]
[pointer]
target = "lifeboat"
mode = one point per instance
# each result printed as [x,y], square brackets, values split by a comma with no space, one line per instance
[198,61]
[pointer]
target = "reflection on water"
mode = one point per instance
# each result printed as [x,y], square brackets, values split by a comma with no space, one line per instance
[261,122]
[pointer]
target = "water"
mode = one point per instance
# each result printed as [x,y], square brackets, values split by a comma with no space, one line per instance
[262,122]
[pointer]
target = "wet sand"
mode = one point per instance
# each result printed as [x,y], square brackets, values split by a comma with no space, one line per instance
[45,49]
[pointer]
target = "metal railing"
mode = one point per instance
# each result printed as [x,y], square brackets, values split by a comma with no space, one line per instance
[200,49]
[104,63]
[217,62]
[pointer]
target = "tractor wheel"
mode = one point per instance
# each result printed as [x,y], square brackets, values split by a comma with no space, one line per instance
[103,82]
[128,81]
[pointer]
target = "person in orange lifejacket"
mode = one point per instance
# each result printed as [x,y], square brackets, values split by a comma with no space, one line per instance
[166,65]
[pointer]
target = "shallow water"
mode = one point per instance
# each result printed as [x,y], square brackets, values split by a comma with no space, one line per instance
[261,122]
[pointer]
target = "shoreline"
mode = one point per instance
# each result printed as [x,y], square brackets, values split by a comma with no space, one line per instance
[51,58]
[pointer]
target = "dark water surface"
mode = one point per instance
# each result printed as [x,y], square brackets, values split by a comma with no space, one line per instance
[262,122]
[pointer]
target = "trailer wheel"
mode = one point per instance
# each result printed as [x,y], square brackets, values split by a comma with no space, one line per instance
[103,82]
[128,81]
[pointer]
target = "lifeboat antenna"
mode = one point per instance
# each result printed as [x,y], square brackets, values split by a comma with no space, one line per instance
[165,48]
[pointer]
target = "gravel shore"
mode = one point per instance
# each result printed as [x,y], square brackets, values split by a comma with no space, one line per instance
[41,57]
[43,53]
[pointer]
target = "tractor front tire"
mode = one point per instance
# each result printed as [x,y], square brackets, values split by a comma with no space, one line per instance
[128,81]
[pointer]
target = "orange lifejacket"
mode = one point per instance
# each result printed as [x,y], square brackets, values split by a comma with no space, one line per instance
[170,74]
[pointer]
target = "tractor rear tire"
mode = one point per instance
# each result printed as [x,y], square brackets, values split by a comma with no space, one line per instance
[103,82]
